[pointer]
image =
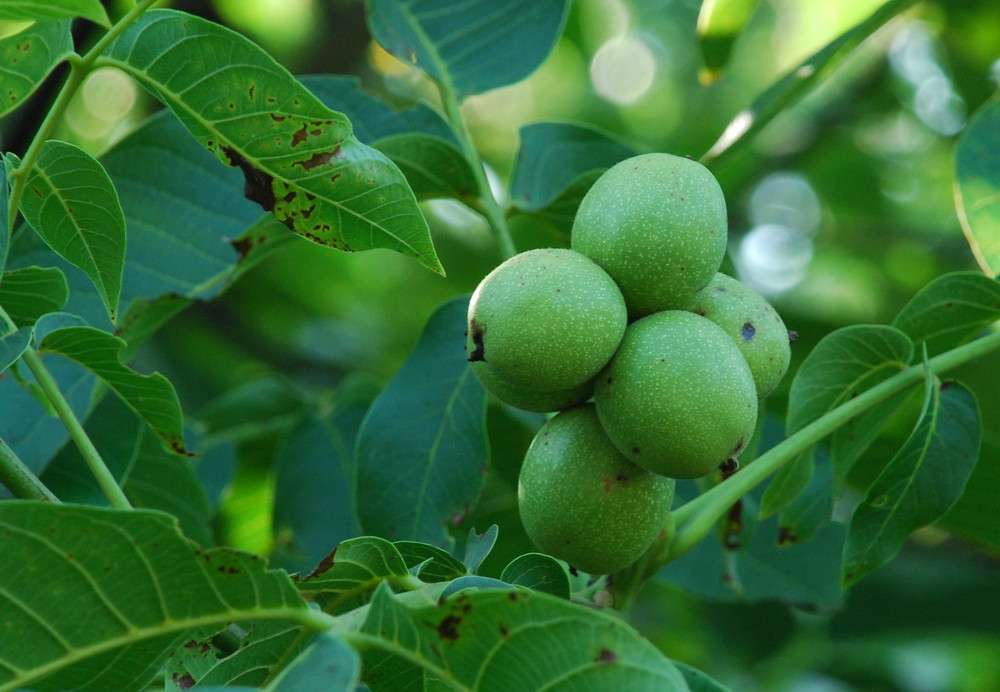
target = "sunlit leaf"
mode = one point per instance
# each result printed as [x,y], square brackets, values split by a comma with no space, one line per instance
[100,597]
[977,185]
[27,294]
[150,396]
[421,451]
[47,10]
[538,572]
[919,484]
[72,204]
[473,46]
[479,640]
[299,158]
[950,310]
[27,57]
[719,24]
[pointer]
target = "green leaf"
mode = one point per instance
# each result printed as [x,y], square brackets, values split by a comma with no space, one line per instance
[698,681]
[977,185]
[720,22]
[950,310]
[347,576]
[12,345]
[27,294]
[27,58]
[479,640]
[974,515]
[421,451]
[254,408]
[432,564]
[473,46]
[150,396]
[538,572]
[299,158]
[139,586]
[786,485]
[327,664]
[798,82]
[843,364]
[812,509]
[4,208]
[46,10]
[144,317]
[479,546]
[919,484]
[434,167]
[72,204]
[557,158]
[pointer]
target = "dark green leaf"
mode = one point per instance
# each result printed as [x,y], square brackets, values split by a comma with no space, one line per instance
[786,485]
[252,409]
[432,563]
[150,396]
[570,647]
[844,364]
[472,581]
[950,310]
[974,515]
[478,547]
[72,204]
[27,294]
[327,664]
[434,167]
[804,516]
[139,586]
[12,345]
[473,46]
[421,450]
[348,575]
[977,185]
[538,572]
[557,158]
[920,484]
[144,317]
[4,213]
[299,157]
[46,10]
[698,681]
[27,58]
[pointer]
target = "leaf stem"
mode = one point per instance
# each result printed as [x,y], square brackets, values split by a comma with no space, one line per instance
[696,519]
[19,479]
[486,203]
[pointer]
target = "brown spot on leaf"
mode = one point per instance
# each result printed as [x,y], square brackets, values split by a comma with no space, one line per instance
[251,91]
[183,682]
[324,564]
[448,629]
[606,656]
[503,630]
[786,536]
[320,158]
[257,184]
[299,136]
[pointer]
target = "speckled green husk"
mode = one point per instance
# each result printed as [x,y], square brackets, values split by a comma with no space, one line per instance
[531,399]
[583,502]
[678,398]
[546,319]
[753,325]
[657,224]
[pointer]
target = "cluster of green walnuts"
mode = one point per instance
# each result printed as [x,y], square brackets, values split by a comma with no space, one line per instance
[653,359]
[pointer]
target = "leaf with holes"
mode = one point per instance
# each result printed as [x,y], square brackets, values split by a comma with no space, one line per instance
[150,396]
[47,10]
[950,310]
[920,484]
[71,203]
[27,58]
[101,597]
[977,185]
[27,294]
[299,158]
[421,451]
[473,46]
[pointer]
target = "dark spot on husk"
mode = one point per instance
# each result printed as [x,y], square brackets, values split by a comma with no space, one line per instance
[793,336]
[748,331]
[479,352]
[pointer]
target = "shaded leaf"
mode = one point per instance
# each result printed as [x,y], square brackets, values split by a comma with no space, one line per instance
[478,547]
[538,572]
[434,167]
[252,409]
[974,515]
[348,575]
[136,583]
[327,664]
[950,310]
[72,204]
[698,681]
[27,294]
[556,158]
[844,364]
[812,509]
[432,564]
[12,345]
[4,213]
[479,640]
[919,484]
[144,317]
[786,484]
[46,10]
[473,46]
[472,581]
[299,158]
[27,58]
[150,396]
[977,185]
[421,451]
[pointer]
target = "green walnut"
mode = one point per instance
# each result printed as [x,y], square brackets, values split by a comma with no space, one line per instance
[582,501]
[657,224]
[678,398]
[753,325]
[531,399]
[546,319]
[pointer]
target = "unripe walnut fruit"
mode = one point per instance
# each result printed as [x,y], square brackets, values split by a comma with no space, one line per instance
[529,399]
[546,319]
[657,224]
[678,397]
[582,501]
[753,325]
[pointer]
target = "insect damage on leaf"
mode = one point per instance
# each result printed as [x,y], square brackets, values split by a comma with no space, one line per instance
[258,185]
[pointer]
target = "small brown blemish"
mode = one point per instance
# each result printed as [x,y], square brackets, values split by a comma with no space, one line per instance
[606,656]
[479,352]
[324,564]
[318,159]
[448,629]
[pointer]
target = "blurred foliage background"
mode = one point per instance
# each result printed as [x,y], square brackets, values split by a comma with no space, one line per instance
[841,209]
